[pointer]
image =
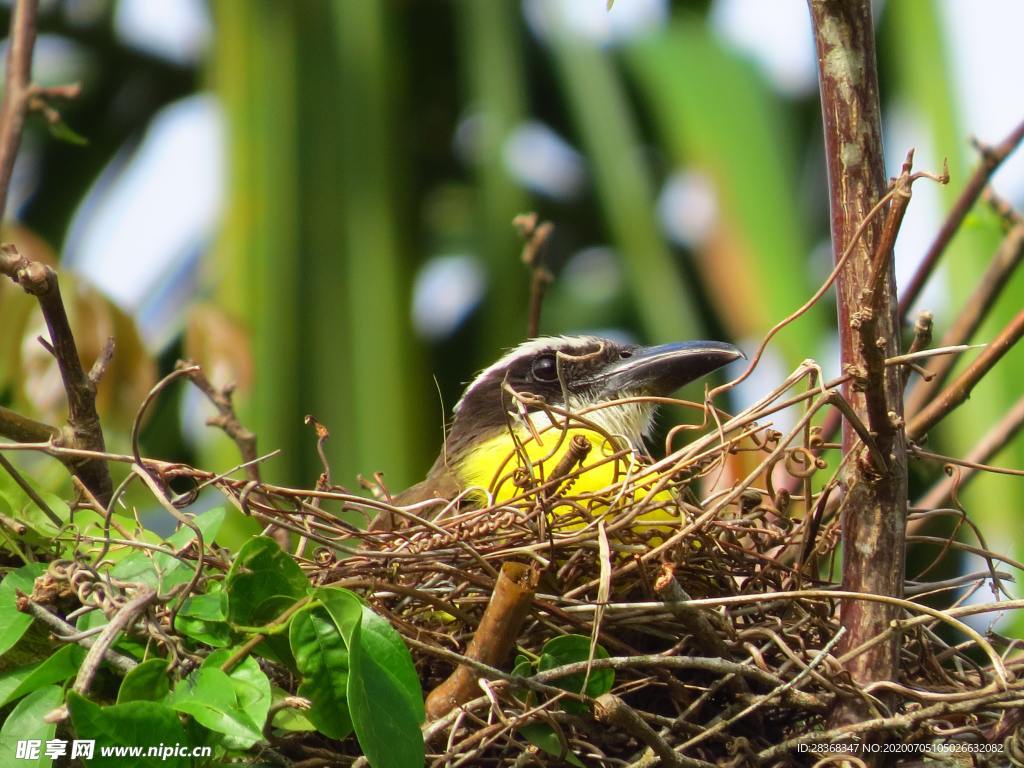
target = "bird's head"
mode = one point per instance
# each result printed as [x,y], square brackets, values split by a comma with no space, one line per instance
[577,372]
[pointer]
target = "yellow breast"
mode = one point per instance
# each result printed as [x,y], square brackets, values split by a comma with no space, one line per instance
[582,476]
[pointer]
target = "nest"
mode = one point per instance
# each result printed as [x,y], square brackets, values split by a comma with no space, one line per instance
[721,629]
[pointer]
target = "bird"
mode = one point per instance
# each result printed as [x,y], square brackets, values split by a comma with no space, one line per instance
[552,407]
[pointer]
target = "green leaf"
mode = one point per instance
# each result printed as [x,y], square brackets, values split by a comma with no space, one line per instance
[543,736]
[57,668]
[250,683]
[379,641]
[570,649]
[63,132]
[386,724]
[204,618]
[135,724]
[263,581]
[26,723]
[209,696]
[25,511]
[146,682]
[289,718]
[14,623]
[322,659]
[163,571]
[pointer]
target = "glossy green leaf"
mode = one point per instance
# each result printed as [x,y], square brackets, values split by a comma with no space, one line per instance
[379,641]
[570,649]
[386,723]
[322,659]
[25,722]
[59,667]
[135,724]
[164,571]
[204,618]
[209,696]
[250,683]
[263,581]
[14,623]
[544,737]
[146,682]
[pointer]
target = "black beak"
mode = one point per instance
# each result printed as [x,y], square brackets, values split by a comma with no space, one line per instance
[663,369]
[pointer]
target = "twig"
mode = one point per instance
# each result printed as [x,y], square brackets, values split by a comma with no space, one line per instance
[65,632]
[760,701]
[536,234]
[85,430]
[992,443]
[975,309]
[25,430]
[612,710]
[957,392]
[30,491]
[991,159]
[17,93]
[119,622]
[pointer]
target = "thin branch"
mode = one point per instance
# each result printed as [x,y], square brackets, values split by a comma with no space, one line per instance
[64,631]
[991,159]
[992,443]
[536,235]
[17,91]
[957,392]
[976,308]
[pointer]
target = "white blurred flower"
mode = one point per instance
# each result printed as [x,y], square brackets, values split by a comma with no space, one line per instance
[446,290]
[688,207]
[591,20]
[544,162]
[777,35]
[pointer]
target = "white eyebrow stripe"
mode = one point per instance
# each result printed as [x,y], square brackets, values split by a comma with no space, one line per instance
[527,348]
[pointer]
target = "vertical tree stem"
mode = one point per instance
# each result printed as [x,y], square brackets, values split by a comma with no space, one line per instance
[874,509]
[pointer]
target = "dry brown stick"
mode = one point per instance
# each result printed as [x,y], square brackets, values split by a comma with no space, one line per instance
[22,429]
[17,91]
[536,234]
[84,428]
[227,421]
[991,159]
[494,637]
[976,308]
[64,632]
[957,392]
[612,710]
[993,441]
[119,622]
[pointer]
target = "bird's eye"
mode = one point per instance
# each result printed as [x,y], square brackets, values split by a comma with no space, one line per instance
[545,368]
[625,354]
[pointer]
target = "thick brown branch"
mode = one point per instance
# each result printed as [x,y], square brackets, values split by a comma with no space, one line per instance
[499,627]
[874,508]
